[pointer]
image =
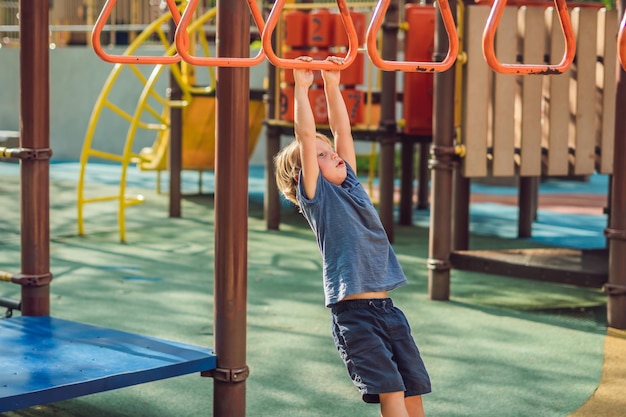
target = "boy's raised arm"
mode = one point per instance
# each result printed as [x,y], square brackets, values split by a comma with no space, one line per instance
[304,128]
[338,118]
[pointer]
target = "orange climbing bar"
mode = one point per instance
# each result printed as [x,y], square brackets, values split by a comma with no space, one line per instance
[621,42]
[182,41]
[413,66]
[127,59]
[489,35]
[272,20]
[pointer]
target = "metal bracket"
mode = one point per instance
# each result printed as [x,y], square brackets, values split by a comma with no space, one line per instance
[26,153]
[438,264]
[615,234]
[614,289]
[228,374]
[26,280]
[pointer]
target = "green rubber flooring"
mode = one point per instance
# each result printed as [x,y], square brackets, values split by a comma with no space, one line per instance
[501,347]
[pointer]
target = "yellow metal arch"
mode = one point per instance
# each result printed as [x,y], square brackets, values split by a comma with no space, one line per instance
[135,119]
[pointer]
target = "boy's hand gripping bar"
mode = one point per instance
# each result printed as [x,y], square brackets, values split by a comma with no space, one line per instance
[272,20]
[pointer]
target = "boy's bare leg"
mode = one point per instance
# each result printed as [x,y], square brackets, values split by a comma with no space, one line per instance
[414,406]
[392,405]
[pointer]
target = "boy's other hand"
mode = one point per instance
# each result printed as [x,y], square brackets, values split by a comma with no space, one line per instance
[303,77]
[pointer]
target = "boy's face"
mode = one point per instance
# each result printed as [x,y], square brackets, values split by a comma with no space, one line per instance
[332,167]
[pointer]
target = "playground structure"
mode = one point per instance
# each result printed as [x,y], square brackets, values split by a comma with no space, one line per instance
[231,188]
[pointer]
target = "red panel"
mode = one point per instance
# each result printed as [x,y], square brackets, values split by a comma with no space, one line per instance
[418,86]
[341,37]
[353,75]
[354,103]
[296,33]
[286,104]
[321,28]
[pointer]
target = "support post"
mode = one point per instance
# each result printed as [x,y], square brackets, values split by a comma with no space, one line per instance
[406,183]
[176,141]
[35,134]
[442,164]
[271,200]
[388,120]
[231,211]
[616,232]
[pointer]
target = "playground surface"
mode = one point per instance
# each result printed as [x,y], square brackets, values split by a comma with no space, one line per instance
[501,347]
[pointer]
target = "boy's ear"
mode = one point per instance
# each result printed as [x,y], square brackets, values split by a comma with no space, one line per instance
[295,179]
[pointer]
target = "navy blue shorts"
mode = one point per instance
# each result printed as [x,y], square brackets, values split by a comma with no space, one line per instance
[374,340]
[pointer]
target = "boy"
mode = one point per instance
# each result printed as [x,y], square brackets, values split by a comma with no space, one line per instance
[372,335]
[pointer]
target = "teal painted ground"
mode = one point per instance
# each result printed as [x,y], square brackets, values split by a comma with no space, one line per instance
[501,347]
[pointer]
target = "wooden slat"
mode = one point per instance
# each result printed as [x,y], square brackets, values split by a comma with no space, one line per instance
[505,89]
[556,99]
[476,95]
[531,23]
[583,92]
[607,34]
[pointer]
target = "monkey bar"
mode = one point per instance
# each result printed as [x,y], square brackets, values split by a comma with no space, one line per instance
[182,41]
[128,59]
[316,64]
[413,66]
[528,69]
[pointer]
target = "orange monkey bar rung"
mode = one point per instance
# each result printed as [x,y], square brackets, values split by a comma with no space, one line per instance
[489,35]
[413,66]
[266,38]
[621,42]
[182,41]
[128,59]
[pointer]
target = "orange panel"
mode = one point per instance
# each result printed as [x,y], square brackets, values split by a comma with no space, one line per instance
[340,35]
[321,28]
[354,103]
[286,104]
[418,87]
[296,29]
[353,75]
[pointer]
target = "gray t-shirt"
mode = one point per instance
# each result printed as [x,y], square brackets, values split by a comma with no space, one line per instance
[356,253]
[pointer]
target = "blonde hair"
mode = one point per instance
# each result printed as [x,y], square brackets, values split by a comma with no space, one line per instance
[288,164]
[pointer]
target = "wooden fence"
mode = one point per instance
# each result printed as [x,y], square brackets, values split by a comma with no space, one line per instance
[534,125]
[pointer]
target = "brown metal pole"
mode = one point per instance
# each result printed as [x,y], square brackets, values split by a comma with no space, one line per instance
[616,232]
[388,119]
[35,134]
[442,164]
[176,141]
[271,202]
[527,205]
[460,211]
[231,212]
[423,176]
[406,183]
